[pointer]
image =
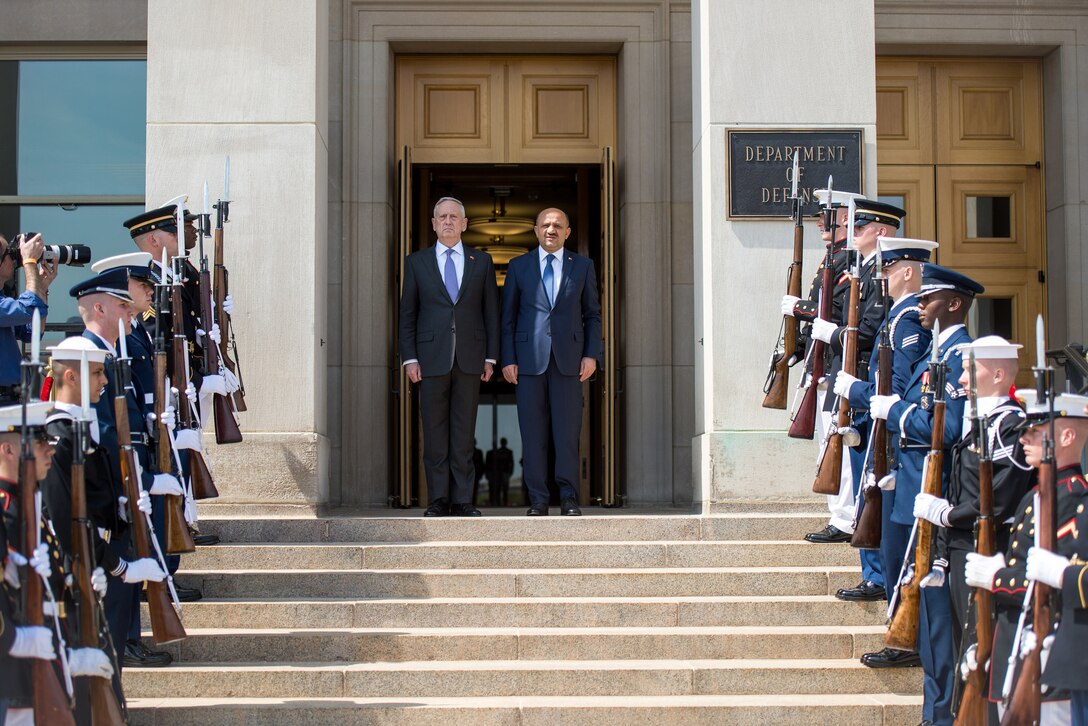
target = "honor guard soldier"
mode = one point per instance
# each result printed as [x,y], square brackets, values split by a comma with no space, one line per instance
[944,300]
[901,260]
[1007,574]
[807,311]
[106,307]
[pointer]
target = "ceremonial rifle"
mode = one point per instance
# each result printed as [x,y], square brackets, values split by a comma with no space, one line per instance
[778,379]
[829,473]
[867,526]
[803,425]
[226,427]
[199,474]
[166,624]
[105,708]
[1026,704]
[903,631]
[49,699]
[974,705]
[228,347]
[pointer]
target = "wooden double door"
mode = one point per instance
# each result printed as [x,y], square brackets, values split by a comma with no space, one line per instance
[960,147]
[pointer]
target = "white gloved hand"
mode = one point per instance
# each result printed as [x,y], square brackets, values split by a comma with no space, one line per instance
[143,503]
[188,439]
[99,582]
[33,641]
[213,385]
[823,330]
[11,569]
[935,578]
[169,417]
[843,382]
[970,662]
[190,392]
[39,562]
[887,483]
[1028,642]
[881,406]
[980,569]
[164,484]
[788,303]
[89,662]
[1048,645]
[143,570]
[214,334]
[122,508]
[231,380]
[1046,567]
[228,304]
[932,509]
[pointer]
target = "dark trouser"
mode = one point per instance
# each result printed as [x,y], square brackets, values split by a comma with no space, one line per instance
[963,627]
[496,490]
[893,544]
[937,654]
[549,404]
[120,599]
[871,569]
[448,408]
[1078,706]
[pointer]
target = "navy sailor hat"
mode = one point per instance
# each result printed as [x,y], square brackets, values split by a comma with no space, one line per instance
[111,282]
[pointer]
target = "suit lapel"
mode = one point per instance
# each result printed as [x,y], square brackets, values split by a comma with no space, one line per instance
[568,268]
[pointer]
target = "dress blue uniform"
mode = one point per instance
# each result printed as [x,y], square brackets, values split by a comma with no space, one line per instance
[911,419]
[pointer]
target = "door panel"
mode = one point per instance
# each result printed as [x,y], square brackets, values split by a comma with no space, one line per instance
[1008,308]
[610,495]
[913,186]
[904,114]
[404,429]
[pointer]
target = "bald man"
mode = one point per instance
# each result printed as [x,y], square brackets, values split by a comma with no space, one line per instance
[551,339]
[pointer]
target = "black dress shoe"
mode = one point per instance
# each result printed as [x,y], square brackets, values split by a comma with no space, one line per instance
[569,508]
[865,592]
[188,594]
[828,535]
[204,540]
[138,655]
[537,510]
[438,508]
[892,658]
[464,510]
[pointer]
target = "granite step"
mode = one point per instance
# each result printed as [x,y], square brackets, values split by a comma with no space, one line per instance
[590,528]
[463,679]
[518,555]
[264,645]
[589,582]
[786,710]
[532,612]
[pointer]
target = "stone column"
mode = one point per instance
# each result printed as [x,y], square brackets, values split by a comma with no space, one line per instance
[249,78]
[787,64]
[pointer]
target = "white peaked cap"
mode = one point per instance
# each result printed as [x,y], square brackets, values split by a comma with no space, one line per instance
[1066,405]
[11,417]
[992,347]
[837,197]
[73,349]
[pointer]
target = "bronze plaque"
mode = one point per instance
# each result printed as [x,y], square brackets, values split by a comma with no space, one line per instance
[760,168]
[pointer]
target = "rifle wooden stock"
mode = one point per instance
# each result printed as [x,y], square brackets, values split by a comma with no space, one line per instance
[226,427]
[867,530]
[223,319]
[829,474]
[105,708]
[803,425]
[778,390]
[162,445]
[1025,706]
[49,698]
[903,631]
[177,537]
[974,705]
[166,625]
[199,474]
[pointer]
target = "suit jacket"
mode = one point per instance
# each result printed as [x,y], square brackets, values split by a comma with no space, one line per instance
[533,330]
[432,326]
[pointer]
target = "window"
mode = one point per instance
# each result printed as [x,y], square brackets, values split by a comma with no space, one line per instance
[72,145]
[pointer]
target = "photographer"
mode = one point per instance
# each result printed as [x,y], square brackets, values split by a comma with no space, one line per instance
[16,313]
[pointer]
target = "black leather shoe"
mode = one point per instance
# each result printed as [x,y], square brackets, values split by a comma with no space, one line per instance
[464,510]
[205,540]
[537,510]
[569,508]
[438,508]
[828,535]
[892,658]
[188,594]
[865,592]
[138,655]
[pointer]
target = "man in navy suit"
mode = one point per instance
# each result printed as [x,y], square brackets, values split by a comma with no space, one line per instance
[449,342]
[551,339]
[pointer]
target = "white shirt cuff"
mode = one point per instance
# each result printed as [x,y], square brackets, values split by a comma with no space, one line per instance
[414,360]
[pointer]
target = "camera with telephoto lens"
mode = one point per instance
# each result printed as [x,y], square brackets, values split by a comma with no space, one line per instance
[71,255]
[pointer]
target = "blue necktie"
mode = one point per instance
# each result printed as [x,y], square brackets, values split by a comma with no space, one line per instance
[449,276]
[549,279]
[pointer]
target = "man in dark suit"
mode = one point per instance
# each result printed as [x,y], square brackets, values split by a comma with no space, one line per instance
[499,467]
[449,342]
[551,339]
